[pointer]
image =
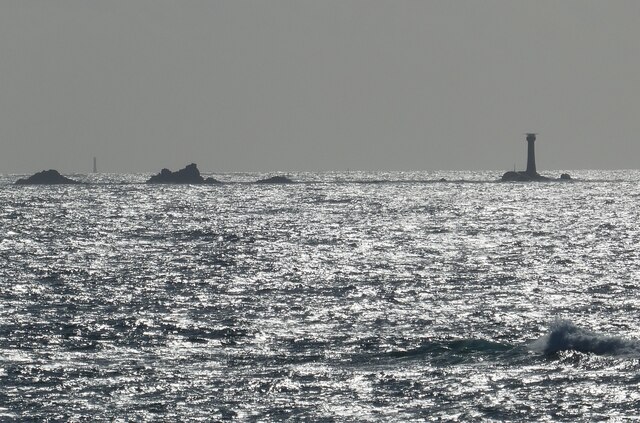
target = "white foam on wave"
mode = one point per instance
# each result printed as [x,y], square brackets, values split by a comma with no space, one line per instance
[566,336]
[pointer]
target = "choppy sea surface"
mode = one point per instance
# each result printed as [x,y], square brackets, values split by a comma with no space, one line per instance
[344,297]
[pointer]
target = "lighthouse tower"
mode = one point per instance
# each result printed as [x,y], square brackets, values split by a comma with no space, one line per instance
[531,156]
[531,174]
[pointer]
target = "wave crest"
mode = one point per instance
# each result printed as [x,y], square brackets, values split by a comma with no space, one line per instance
[566,336]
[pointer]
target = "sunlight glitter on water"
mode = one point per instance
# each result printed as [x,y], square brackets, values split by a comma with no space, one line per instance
[334,299]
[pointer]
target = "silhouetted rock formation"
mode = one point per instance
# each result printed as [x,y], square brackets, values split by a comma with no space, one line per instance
[188,175]
[276,180]
[46,177]
[522,177]
[565,176]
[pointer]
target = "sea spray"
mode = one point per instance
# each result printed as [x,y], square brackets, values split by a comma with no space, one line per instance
[566,336]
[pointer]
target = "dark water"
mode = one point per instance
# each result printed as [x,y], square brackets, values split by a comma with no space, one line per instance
[348,297]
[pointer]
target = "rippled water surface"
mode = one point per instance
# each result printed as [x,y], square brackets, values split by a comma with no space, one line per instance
[344,297]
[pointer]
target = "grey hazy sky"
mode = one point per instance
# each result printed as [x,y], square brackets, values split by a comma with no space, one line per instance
[318,84]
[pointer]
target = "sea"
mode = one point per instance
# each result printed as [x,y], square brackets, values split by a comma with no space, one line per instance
[343,297]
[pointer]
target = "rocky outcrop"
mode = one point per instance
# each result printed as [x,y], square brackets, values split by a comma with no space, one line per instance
[189,175]
[46,177]
[276,180]
[513,176]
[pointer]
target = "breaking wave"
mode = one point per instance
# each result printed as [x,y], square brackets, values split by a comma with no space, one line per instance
[566,336]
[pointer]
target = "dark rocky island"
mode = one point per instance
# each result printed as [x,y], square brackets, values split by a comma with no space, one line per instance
[530,174]
[189,175]
[276,180]
[46,177]
[520,176]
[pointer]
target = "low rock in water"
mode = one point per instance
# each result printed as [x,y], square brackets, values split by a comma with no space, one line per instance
[512,176]
[46,177]
[189,175]
[276,180]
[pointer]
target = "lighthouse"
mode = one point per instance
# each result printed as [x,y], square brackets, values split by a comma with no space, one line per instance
[531,174]
[531,156]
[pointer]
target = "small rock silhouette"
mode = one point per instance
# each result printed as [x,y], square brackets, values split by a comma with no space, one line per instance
[189,175]
[276,180]
[46,177]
